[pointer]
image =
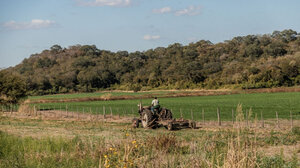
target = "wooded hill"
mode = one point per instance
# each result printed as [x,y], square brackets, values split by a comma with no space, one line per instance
[253,61]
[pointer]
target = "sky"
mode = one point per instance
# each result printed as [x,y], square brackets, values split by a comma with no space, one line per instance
[31,26]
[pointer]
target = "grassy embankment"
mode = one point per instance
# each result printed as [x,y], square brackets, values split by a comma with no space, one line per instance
[266,103]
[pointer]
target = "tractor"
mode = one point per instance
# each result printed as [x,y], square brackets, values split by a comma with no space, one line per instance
[160,117]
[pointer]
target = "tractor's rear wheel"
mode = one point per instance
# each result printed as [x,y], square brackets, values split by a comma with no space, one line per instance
[147,118]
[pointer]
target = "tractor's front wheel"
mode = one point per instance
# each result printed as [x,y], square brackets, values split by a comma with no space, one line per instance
[147,118]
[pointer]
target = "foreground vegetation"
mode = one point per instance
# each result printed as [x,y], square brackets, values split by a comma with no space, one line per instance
[266,103]
[62,143]
[253,61]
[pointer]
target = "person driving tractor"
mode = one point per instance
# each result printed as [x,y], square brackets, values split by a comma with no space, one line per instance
[155,104]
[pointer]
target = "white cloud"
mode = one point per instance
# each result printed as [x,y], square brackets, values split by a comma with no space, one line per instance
[162,10]
[190,11]
[104,3]
[33,24]
[151,37]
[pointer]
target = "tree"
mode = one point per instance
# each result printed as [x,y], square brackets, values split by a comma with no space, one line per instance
[276,48]
[12,88]
[285,35]
[253,60]
[55,48]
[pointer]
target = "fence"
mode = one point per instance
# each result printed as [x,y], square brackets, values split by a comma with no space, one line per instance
[105,112]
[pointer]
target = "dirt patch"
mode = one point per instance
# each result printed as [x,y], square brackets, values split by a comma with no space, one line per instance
[175,93]
[68,116]
[283,125]
[50,125]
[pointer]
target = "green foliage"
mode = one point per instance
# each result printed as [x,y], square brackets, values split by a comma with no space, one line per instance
[252,61]
[12,87]
[296,131]
[276,161]
[46,152]
[56,48]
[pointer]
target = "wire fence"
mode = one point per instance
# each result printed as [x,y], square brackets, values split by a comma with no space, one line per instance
[105,112]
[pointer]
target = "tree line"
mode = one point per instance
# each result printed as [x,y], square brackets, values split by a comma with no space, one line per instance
[252,61]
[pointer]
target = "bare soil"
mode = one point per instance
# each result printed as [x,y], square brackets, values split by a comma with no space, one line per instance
[259,126]
[167,95]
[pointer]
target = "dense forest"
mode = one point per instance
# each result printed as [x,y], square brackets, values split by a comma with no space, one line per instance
[252,61]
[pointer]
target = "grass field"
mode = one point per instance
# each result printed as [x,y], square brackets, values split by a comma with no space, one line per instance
[267,103]
[47,141]
[31,142]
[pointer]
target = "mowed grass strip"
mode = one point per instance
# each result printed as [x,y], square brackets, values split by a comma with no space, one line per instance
[99,94]
[266,103]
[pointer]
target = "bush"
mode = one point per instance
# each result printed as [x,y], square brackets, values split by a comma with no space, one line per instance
[12,88]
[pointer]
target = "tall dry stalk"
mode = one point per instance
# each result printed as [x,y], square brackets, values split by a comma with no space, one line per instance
[239,115]
[240,153]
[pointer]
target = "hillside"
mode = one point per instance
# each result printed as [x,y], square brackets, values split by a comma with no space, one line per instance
[253,61]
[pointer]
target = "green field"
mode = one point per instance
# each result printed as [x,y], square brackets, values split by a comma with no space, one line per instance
[267,103]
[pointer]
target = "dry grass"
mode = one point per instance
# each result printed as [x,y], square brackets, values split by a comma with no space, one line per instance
[104,143]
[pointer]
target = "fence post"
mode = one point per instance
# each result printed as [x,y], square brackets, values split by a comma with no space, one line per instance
[219,117]
[181,114]
[73,111]
[54,114]
[255,120]
[67,111]
[247,118]
[96,113]
[111,113]
[118,113]
[35,111]
[232,115]
[277,120]
[11,109]
[41,112]
[60,112]
[203,120]
[262,120]
[83,111]
[291,116]
[77,113]
[104,112]
[91,114]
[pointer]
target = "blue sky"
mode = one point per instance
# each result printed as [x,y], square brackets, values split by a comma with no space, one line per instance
[30,26]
